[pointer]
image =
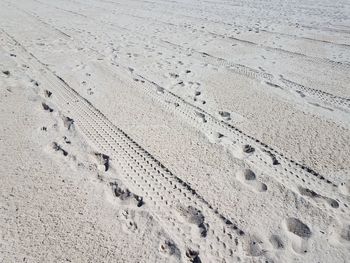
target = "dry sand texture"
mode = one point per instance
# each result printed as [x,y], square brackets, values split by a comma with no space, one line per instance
[174,131]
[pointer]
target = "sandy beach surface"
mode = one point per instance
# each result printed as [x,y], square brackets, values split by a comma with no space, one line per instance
[174,131]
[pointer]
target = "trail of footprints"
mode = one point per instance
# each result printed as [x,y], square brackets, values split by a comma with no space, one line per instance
[246,147]
[129,202]
[133,219]
[258,75]
[187,214]
[339,102]
[155,190]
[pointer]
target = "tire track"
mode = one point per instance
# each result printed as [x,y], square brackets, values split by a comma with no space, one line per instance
[283,169]
[318,94]
[341,103]
[260,76]
[166,193]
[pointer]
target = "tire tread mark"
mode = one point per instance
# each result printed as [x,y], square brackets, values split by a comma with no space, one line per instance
[134,160]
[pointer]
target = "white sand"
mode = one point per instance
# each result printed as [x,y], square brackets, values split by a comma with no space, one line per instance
[174,131]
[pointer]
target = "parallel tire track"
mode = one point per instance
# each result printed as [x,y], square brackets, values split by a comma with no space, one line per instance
[283,169]
[162,190]
[276,164]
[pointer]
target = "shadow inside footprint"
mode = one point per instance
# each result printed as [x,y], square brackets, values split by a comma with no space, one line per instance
[6,72]
[299,234]
[249,175]
[345,233]
[48,93]
[248,148]
[225,115]
[103,160]
[276,242]
[68,122]
[58,148]
[170,248]
[46,107]
[298,228]
[193,256]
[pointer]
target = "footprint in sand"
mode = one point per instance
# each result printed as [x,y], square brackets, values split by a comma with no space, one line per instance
[103,161]
[344,188]
[299,233]
[58,148]
[89,91]
[312,194]
[193,256]
[248,149]
[68,122]
[194,216]
[168,247]
[345,233]
[125,196]
[46,107]
[276,242]
[254,247]
[340,233]
[6,73]
[225,115]
[47,93]
[248,178]
[201,116]
[128,217]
